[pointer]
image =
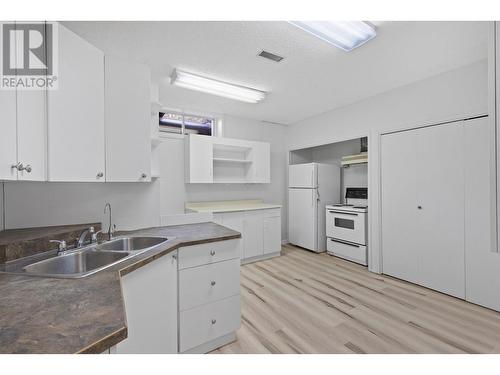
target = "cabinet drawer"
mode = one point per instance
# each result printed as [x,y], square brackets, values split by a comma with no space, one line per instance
[352,252]
[208,322]
[208,283]
[270,212]
[197,255]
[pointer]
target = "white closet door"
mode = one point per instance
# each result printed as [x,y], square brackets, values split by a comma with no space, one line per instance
[440,155]
[400,256]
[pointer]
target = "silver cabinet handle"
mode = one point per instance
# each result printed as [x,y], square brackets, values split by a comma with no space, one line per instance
[28,168]
[19,166]
[100,174]
[212,253]
[214,321]
[212,283]
[144,175]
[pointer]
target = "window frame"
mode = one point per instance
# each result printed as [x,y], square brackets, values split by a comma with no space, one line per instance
[216,125]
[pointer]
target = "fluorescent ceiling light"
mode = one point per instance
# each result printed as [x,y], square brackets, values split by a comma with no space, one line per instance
[346,35]
[216,87]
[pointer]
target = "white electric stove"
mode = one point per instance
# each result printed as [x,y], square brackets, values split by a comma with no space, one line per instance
[347,226]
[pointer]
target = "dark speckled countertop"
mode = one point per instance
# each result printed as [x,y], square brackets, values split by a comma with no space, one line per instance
[46,315]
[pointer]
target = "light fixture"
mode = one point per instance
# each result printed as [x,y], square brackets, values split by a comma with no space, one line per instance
[346,35]
[212,86]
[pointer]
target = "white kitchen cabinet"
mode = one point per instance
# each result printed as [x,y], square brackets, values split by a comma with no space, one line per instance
[76,112]
[150,295]
[199,159]
[32,135]
[23,133]
[261,162]
[253,230]
[423,207]
[260,232]
[209,296]
[226,160]
[234,221]
[272,234]
[8,140]
[127,121]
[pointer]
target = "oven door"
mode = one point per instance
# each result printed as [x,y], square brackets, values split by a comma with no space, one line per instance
[347,226]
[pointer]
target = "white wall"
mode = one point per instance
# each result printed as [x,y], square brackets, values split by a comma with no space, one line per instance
[456,94]
[33,204]
[174,191]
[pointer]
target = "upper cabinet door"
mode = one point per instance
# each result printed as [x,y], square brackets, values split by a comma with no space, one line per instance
[31,134]
[76,113]
[199,159]
[262,162]
[31,111]
[127,120]
[8,139]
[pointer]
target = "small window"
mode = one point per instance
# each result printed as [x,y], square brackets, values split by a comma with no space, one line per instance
[183,123]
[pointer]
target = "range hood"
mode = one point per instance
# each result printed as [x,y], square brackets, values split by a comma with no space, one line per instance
[361,158]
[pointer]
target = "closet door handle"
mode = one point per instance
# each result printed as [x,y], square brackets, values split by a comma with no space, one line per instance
[419,207]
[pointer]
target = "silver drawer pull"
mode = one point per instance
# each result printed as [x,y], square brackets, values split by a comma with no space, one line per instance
[212,253]
[214,321]
[212,283]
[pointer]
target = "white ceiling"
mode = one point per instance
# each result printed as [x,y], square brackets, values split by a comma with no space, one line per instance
[313,78]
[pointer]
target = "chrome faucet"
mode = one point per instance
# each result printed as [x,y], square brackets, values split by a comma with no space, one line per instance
[107,207]
[81,240]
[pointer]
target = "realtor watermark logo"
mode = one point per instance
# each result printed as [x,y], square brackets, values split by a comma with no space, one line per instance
[29,56]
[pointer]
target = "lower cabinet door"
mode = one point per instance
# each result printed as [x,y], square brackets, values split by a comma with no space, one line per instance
[235,221]
[253,228]
[150,294]
[208,322]
[272,234]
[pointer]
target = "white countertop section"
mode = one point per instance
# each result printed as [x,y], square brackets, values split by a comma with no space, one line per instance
[229,206]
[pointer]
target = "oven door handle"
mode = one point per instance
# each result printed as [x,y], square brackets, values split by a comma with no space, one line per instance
[344,242]
[343,213]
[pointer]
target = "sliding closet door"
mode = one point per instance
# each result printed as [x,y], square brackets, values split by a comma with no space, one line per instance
[400,256]
[440,208]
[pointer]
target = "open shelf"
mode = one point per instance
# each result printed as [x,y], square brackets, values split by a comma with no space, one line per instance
[230,160]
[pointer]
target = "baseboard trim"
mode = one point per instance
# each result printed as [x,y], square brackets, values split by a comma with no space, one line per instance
[212,345]
[262,257]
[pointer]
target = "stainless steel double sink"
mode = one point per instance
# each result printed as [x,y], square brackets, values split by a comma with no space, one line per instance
[90,259]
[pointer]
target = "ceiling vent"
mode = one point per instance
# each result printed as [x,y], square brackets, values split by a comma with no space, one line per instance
[270,56]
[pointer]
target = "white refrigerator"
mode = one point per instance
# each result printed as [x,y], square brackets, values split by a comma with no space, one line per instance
[311,187]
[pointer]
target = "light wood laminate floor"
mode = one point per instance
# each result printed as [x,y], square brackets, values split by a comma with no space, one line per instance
[303,302]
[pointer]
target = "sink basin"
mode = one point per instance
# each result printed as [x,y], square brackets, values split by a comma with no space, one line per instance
[84,261]
[131,243]
[77,264]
